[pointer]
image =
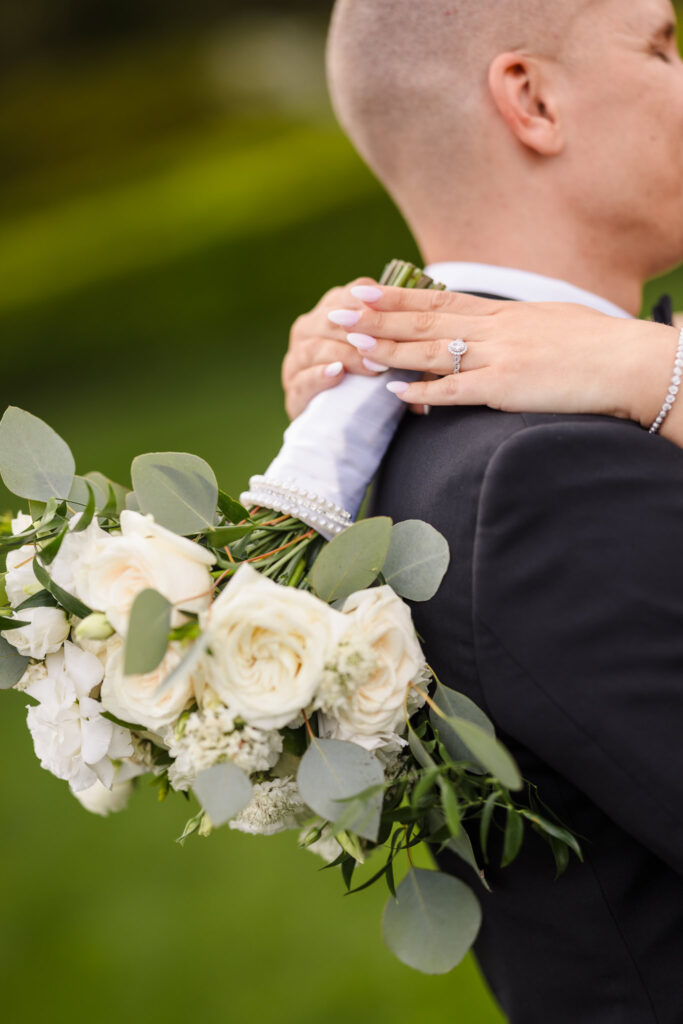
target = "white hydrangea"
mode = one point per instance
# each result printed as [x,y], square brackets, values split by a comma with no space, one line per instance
[99,800]
[71,738]
[211,735]
[274,807]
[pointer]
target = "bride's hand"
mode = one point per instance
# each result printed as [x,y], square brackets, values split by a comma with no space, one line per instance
[319,355]
[522,356]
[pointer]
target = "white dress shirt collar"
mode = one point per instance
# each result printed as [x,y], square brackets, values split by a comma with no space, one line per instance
[516,284]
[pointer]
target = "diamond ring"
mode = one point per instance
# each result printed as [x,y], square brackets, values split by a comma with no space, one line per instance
[457,349]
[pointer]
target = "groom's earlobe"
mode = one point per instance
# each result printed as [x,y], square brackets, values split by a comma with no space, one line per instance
[522,93]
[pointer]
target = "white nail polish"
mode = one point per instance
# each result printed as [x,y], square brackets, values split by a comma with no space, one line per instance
[344,317]
[397,387]
[366,293]
[334,369]
[362,341]
[375,367]
[426,409]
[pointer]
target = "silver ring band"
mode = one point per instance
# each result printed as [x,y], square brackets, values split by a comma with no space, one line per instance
[457,349]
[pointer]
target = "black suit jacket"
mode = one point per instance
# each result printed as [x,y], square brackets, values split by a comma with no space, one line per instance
[562,616]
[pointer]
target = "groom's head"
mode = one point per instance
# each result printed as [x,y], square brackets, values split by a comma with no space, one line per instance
[564,108]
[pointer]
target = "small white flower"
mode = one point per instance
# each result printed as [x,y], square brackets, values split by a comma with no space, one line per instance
[209,736]
[269,646]
[76,548]
[20,581]
[71,738]
[99,800]
[274,807]
[35,672]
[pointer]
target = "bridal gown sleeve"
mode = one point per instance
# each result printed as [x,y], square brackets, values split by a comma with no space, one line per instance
[578,604]
[331,453]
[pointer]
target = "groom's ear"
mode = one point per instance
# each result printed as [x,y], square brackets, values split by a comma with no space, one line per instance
[521,89]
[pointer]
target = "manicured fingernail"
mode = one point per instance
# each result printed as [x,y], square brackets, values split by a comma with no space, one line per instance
[426,409]
[375,367]
[366,293]
[362,341]
[334,369]
[397,387]
[344,317]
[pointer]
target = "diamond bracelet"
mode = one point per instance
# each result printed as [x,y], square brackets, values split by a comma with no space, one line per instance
[323,515]
[674,387]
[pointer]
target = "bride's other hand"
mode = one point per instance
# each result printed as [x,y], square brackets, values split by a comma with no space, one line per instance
[521,357]
[319,355]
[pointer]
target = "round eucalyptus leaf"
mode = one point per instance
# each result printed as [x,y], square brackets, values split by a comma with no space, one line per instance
[352,560]
[148,629]
[433,921]
[178,489]
[35,462]
[12,665]
[417,560]
[223,791]
[332,771]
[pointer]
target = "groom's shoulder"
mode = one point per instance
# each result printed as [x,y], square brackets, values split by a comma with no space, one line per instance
[575,469]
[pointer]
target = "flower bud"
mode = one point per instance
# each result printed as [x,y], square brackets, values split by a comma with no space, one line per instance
[95,626]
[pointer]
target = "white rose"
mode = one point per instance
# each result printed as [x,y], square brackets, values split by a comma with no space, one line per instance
[99,800]
[380,628]
[20,581]
[269,645]
[45,633]
[114,571]
[136,699]
[74,549]
[70,736]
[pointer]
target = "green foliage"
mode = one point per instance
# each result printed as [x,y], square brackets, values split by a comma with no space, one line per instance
[148,629]
[223,791]
[34,460]
[332,771]
[417,560]
[12,665]
[433,921]
[178,489]
[352,560]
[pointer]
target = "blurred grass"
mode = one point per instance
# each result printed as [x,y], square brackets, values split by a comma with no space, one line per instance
[164,216]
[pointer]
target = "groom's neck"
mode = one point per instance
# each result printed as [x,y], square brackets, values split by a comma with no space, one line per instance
[590,262]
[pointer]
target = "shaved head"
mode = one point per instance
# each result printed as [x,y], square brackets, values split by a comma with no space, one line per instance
[408,77]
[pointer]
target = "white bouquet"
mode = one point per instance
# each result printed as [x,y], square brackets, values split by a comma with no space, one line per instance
[168,630]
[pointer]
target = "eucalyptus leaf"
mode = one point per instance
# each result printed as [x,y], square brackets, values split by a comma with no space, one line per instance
[433,921]
[186,665]
[132,502]
[330,772]
[49,551]
[352,560]
[178,489]
[148,629]
[12,665]
[460,845]
[417,560]
[69,603]
[78,496]
[109,494]
[476,737]
[223,791]
[556,831]
[35,462]
[451,702]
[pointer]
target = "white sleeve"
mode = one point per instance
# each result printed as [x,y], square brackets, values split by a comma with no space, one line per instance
[331,452]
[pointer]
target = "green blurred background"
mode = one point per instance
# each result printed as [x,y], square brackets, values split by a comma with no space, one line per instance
[173,192]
